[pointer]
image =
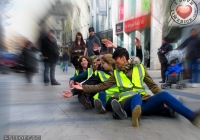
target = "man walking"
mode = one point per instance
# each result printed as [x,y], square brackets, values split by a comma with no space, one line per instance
[50,54]
[192,56]
[93,45]
[65,59]
[165,48]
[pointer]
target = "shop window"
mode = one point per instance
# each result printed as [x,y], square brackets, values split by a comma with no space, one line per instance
[109,18]
[131,8]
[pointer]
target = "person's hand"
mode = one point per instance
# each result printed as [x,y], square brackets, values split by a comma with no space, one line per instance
[96,47]
[198,60]
[108,43]
[76,51]
[78,86]
[162,51]
[45,57]
[67,94]
[71,83]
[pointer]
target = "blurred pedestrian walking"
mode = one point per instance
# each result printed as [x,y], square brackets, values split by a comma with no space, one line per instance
[30,60]
[50,54]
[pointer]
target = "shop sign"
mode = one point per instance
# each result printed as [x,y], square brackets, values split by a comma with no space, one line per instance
[119,27]
[102,7]
[121,12]
[137,23]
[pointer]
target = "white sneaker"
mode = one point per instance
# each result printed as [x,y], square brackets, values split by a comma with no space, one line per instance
[194,85]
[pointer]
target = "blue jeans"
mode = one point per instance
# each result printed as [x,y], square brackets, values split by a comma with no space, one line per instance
[65,65]
[156,102]
[193,70]
[102,97]
[49,66]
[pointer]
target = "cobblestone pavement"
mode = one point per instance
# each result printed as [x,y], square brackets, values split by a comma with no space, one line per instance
[35,109]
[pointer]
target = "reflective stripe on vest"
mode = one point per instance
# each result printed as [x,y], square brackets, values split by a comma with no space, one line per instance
[90,72]
[76,72]
[103,77]
[110,92]
[126,87]
[128,93]
[138,69]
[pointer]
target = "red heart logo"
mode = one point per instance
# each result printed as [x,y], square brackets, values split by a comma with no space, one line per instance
[184,11]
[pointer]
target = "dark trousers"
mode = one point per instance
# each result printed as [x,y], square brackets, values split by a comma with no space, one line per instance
[29,74]
[49,66]
[152,105]
[164,67]
[193,66]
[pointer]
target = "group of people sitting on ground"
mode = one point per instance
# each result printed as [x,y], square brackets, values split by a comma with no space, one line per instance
[115,82]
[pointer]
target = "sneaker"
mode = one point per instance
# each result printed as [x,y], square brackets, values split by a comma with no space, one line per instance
[173,113]
[98,105]
[196,121]
[118,110]
[46,84]
[87,104]
[194,85]
[55,83]
[135,115]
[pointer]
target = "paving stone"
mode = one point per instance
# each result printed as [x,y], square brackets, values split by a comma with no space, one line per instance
[35,109]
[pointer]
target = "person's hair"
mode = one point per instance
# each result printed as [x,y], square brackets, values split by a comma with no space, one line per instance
[105,52]
[108,59]
[120,53]
[52,31]
[80,60]
[75,62]
[82,41]
[173,62]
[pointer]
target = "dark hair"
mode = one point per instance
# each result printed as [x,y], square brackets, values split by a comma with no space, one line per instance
[173,62]
[76,40]
[166,39]
[91,29]
[80,60]
[75,61]
[120,52]
[52,31]
[105,52]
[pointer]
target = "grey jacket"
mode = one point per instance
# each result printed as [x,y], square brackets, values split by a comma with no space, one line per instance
[89,44]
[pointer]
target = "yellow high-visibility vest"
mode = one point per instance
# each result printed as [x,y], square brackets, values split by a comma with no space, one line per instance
[90,72]
[129,88]
[76,72]
[112,91]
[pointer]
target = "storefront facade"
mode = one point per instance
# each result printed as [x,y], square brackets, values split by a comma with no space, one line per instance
[138,28]
[119,28]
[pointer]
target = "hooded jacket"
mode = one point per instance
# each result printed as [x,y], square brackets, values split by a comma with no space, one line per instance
[171,69]
[128,71]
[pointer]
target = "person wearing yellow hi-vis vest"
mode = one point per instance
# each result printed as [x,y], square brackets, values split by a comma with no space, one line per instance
[87,77]
[134,100]
[83,65]
[107,100]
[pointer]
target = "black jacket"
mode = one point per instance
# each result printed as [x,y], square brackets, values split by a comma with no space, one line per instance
[166,48]
[192,45]
[139,53]
[50,50]
[65,57]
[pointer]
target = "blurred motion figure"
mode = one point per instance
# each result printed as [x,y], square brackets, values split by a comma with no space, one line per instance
[30,60]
